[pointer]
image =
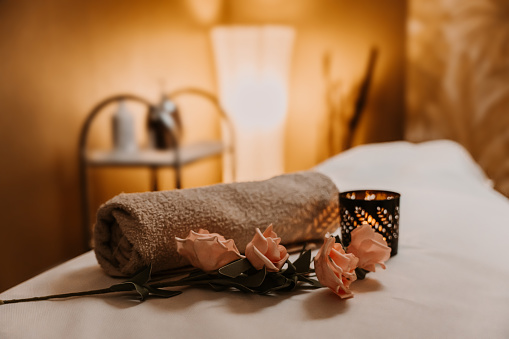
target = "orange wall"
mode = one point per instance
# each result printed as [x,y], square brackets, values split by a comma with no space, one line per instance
[59,59]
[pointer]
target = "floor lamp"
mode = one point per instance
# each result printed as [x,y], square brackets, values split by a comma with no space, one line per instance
[252,64]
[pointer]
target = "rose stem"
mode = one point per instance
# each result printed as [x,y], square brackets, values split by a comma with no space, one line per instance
[57,296]
[182,282]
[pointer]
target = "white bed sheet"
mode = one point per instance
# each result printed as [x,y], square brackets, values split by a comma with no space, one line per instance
[450,278]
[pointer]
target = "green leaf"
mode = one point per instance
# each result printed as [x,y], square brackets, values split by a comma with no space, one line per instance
[196,276]
[312,282]
[289,285]
[130,286]
[142,291]
[236,268]
[290,270]
[139,282]
[230,283]
[273,282]
[252,280]
[162,293]
[361,273]
[217,287]
[195,273]
[143,276]
[303,262]
[246,283]
[122,287]
[140,278]
[303,249]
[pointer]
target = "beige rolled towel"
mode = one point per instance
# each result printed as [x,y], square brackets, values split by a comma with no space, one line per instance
[135,229]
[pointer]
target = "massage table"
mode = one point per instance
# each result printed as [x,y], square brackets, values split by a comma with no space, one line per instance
[450,278]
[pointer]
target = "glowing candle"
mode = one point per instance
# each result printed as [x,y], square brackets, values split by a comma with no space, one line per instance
[379,209]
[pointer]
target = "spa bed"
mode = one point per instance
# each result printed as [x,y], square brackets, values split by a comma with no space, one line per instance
[450,278]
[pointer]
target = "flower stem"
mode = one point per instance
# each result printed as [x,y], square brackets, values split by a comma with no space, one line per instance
[57,296]
[195,280]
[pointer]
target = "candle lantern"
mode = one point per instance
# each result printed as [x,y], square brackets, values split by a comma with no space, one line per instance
[379,209]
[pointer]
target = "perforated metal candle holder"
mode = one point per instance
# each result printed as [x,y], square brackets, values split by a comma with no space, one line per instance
[379,209]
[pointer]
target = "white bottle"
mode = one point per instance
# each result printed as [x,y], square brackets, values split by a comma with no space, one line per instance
[124,139]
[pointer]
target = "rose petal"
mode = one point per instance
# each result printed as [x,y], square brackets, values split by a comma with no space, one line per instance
[273,252]
[265,250]
[282,261]
[259,241]
[329,264]
[186,249]
[262,261]
[360,233]
[207,251]
[269,233]
[370,247]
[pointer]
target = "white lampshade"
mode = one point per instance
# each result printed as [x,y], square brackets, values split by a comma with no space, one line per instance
[252,64]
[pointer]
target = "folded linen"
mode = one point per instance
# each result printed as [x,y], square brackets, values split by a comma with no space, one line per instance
[135,229]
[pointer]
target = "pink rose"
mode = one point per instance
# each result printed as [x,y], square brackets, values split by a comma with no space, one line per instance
[264,250]
[207,251]
[334,268]
[370,247]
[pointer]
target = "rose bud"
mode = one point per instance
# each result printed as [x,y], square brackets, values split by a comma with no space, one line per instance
[334,268]
[207,251]
[265,250]
[370,247]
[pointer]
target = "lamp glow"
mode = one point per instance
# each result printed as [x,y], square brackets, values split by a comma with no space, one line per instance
[253,63]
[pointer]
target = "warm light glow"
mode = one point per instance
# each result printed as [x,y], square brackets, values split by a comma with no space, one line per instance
[253,64]
[205,11]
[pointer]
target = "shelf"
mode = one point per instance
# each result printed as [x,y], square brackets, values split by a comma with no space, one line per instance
[155,158]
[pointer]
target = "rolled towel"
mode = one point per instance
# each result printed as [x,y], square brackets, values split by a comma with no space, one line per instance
[135,229]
